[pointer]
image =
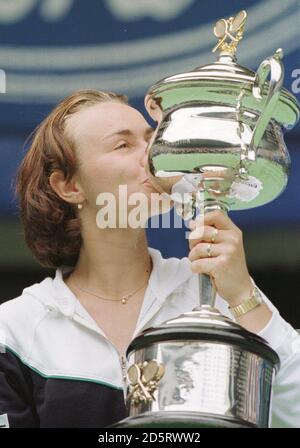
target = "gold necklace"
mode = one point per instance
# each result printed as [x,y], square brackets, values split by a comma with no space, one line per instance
[123,299]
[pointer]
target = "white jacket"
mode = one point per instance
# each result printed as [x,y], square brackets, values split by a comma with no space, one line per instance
[49,339]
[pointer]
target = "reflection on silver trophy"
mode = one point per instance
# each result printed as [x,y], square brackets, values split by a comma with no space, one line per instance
[219,138]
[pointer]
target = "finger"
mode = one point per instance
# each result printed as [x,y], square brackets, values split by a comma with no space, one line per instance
[219,219]
[209,234]
[209,250]
[197,223]
[212,235]
[206,250]
[203,266]
[210,266]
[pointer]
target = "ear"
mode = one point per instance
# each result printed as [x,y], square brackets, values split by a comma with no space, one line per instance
[69,191]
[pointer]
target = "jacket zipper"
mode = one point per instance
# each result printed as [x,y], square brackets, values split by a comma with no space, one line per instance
[122,359]
[123,367]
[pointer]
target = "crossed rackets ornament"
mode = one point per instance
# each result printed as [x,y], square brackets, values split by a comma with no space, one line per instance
[232,29]
[143,379]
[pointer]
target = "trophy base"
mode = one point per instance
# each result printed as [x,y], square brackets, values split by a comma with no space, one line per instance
[184,420]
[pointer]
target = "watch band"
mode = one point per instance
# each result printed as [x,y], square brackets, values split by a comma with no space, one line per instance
[254,300]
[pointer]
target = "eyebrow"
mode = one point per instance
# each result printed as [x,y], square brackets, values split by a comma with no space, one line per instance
[148,132]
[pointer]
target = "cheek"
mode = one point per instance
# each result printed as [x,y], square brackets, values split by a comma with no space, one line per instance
[107,175]
[95,179]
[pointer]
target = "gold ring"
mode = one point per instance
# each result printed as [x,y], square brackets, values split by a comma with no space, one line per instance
[208,250]
[214,235]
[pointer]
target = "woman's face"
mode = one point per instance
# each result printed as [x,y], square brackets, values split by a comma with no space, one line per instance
[111,141]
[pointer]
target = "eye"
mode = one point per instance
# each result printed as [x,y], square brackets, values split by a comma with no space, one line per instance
[121,146]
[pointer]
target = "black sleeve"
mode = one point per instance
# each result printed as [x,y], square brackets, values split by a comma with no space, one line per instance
[16,395]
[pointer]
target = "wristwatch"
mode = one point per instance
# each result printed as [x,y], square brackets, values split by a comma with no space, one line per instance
[254,300]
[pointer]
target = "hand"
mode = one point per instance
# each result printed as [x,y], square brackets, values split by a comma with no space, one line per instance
[227,264]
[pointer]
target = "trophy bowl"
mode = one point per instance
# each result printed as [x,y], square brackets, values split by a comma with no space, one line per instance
[218,145]
[222,126]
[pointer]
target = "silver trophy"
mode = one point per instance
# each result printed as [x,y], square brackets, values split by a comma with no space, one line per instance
[219,145]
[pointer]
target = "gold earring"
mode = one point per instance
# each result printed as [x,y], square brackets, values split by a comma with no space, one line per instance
[79,206]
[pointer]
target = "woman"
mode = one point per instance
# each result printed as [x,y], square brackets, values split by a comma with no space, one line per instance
[65,338]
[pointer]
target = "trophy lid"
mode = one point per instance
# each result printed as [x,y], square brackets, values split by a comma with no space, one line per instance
[221,82]
[207,325]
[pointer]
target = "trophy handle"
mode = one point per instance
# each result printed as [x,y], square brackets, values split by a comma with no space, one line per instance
[207,290]
[275,68]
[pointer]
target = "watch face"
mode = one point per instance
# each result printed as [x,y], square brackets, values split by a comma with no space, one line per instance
[258,295]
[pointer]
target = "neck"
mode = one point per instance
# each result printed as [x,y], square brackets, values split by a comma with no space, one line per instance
[113,262]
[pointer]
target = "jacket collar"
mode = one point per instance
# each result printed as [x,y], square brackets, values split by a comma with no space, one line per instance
[166,276]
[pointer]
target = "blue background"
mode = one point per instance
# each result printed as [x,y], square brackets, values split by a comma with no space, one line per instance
[51,48]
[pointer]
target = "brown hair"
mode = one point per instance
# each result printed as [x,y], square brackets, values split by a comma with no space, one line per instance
[51,225]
